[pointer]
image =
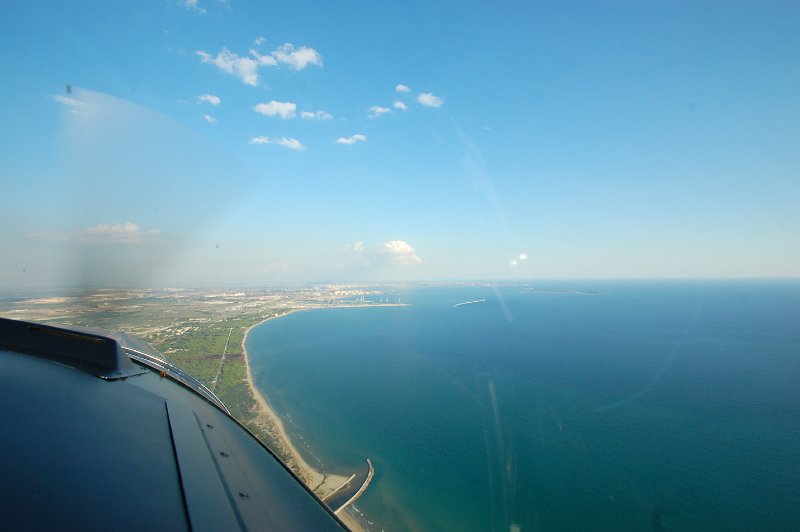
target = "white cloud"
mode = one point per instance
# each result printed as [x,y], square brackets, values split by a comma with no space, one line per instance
[194,5]
[285,110]
[259,40]
[127,233]
[263,60]
[210,119]
[319,115]
[209,98]
[292,144]
[390,254]
[400,105]
[116,233]
[513,262]
[244,68]
[299,58]
[429,100]
[399,252]
[523,257]
[352,139]
[402,88]
[377,110]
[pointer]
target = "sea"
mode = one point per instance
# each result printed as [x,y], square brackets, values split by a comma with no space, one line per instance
[591,405]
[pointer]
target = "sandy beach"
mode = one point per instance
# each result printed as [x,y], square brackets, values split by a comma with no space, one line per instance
[319,482]
[322,484]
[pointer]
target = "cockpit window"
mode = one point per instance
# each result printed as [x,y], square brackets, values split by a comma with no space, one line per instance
[482,267]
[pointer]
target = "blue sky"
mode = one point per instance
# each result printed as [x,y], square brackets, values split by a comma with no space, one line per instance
[250,143]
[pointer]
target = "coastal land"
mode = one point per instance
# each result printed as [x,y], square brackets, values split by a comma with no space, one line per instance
[204,332]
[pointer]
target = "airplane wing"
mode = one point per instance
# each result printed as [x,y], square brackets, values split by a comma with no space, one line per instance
[99,432]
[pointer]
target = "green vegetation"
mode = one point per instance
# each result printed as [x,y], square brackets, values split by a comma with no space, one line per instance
[214,356]
[200,332]
[198,351]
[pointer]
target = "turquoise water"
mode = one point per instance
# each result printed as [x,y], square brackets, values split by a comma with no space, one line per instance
[645,406]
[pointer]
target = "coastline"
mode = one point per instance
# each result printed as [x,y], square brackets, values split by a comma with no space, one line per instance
[322,484]
[268,420]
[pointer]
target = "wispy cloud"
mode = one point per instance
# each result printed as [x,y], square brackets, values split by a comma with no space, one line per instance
[210,119]
[193,5]
[292,144]
[376,111]
[319,115]
[244,68]
[355,247]
[429,100]
[399,252]
[299,58]
[120,233]
[352,139]
[259,40]
[209,98]
[400,105]
[402,88]
[127,233]
[285,110]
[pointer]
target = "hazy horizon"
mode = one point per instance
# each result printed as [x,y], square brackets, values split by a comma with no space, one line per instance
[550,282]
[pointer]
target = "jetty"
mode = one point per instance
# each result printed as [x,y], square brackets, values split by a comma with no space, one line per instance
[469,303]
[333,500]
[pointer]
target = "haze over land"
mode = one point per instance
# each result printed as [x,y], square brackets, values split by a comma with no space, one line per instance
[230,143]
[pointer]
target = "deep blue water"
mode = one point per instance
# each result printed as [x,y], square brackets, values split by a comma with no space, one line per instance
[646,406]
